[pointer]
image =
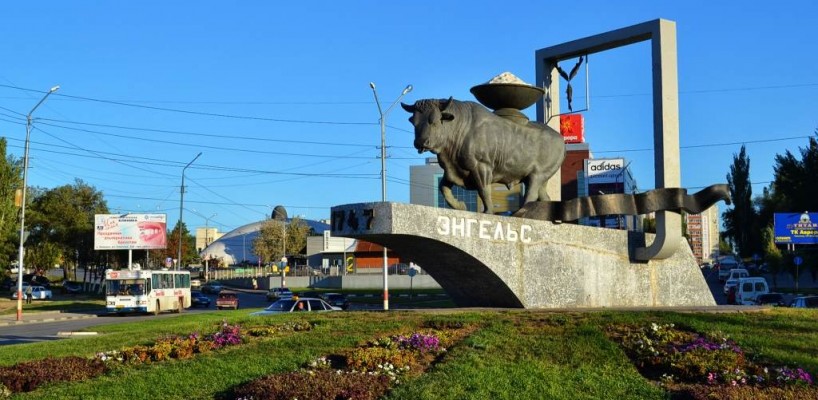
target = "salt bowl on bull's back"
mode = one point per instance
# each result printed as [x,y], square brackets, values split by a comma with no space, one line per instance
[477,148]
[507,94]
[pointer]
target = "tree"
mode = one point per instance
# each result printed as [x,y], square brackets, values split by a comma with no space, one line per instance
[188,247]
[772,255]
[10,181]
[794,183]
[64,217]
[43,256]
[740,221]
[268,244]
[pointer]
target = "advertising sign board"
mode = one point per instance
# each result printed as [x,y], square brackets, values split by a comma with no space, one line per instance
[130,231]
[572,128]
[604,170]
[796,228]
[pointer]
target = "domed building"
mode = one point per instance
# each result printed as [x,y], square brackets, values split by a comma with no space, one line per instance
[237,245]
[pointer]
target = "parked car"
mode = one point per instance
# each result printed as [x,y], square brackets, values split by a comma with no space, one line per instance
[213,287]
[279,293]
[195,283]
[724,269]
[69,287]
[771,299]
[310,293]
[37,292]
[198,299]
[805,302]
[735,275]
[8,284]
[37,280]
[336,300]
[227,299]
[297,304]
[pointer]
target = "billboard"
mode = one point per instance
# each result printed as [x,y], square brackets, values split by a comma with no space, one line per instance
[130,231]
[572,128]
[796,228]
[605,170]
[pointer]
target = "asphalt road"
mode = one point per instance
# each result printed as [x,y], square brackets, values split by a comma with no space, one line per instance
[43,331]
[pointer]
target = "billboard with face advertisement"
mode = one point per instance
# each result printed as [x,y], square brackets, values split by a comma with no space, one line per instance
[130,231]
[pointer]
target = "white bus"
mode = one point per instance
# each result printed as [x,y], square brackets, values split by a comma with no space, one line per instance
[146,291]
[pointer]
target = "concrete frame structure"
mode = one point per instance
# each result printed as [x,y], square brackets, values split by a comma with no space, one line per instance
[662,34]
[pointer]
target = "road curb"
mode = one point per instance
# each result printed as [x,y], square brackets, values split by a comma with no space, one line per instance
[45,318]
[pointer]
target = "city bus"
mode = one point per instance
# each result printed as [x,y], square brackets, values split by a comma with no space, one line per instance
[144,291]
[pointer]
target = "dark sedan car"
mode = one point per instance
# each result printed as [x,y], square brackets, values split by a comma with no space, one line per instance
[336,300]
[71,287]
[212,287]
[771,299]
[198,299]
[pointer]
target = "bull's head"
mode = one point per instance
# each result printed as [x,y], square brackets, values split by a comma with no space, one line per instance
[428,117]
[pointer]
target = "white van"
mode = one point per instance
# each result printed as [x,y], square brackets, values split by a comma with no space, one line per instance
[733,277]
[747,289]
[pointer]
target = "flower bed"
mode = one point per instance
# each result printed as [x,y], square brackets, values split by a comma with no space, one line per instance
[28,376]
[365,372]
[703,365]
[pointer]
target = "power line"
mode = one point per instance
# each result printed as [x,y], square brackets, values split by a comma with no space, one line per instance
[168,163]
[710,144]
[197,134]
[207,114]
[199,145]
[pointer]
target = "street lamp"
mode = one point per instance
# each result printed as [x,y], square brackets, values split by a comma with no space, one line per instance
[29,121]
[383,178]
[207,230]
[181,207]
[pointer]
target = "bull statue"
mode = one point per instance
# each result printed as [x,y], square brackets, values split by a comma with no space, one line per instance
[477,148]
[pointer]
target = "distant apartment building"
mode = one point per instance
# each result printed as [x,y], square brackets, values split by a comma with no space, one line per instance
[205,236]
[703,233]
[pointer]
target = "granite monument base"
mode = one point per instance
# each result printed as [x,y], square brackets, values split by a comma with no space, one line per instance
[484,260]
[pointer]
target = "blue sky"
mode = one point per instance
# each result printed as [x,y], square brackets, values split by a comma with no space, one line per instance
[276,96]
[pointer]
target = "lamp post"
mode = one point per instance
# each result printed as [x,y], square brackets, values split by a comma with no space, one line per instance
[181,207]
[29,121]
[383,178]
[207,230]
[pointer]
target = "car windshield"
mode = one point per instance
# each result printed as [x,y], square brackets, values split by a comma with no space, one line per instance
[281,305]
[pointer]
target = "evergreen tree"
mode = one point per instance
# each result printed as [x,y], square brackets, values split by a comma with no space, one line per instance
[741,221]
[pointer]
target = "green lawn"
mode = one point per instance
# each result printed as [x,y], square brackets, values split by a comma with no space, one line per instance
[512,355]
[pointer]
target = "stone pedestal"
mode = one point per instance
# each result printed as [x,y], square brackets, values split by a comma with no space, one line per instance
[485,260]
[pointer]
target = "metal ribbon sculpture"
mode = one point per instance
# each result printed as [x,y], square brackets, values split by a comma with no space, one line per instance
[673,199]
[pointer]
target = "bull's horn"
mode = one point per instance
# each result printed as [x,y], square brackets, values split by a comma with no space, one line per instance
[445,105]
[408,108]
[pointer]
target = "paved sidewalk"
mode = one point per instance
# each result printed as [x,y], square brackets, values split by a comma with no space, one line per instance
[45,316]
